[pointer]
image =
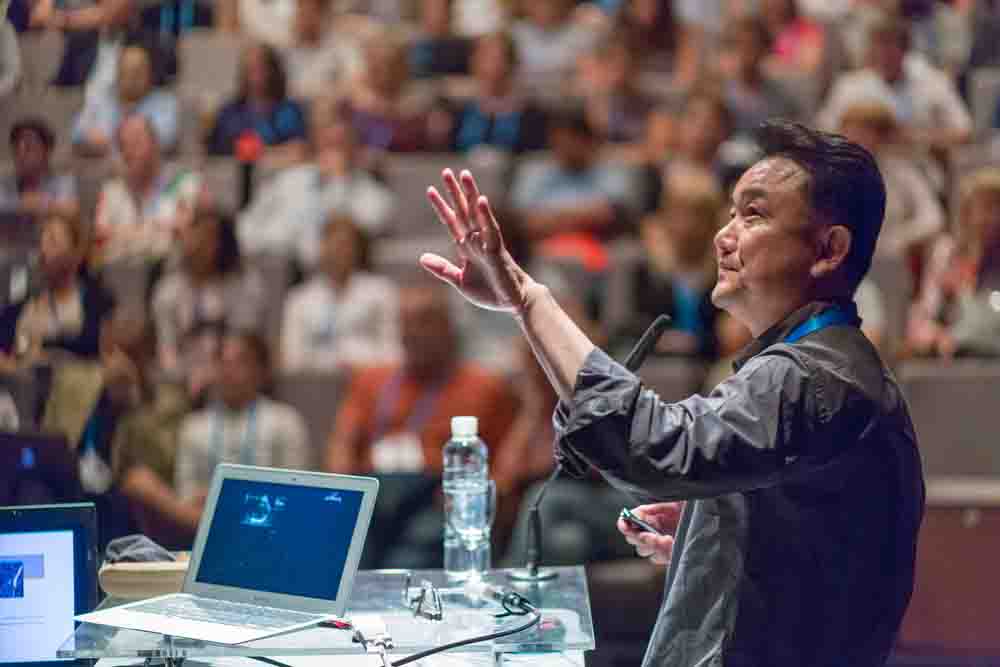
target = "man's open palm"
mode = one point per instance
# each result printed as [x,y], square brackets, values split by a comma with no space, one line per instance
[485,273]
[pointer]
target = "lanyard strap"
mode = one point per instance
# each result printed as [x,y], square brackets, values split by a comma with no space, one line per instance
[828,318]
[249,441]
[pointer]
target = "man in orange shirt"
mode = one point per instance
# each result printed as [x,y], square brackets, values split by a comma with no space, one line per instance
[396,419]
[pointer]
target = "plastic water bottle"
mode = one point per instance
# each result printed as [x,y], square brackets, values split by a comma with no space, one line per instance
[465,484]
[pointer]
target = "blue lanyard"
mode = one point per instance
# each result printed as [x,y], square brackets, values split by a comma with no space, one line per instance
[249,436]
[828,318]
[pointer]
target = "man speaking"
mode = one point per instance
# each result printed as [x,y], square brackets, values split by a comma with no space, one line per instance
[798,544]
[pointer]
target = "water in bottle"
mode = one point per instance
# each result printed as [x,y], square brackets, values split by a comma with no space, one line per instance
[465,485]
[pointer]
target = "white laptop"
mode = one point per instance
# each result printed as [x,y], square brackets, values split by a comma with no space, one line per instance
[276,550]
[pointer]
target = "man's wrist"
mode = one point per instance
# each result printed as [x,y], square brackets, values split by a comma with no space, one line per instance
[531,294]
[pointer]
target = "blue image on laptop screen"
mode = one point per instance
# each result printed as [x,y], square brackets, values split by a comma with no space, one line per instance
[280,538]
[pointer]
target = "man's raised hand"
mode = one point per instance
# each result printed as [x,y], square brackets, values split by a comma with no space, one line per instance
[484,272]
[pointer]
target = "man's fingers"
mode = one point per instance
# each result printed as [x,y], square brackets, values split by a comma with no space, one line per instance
[458,200]
[445,214]
[442,268]
[488,225]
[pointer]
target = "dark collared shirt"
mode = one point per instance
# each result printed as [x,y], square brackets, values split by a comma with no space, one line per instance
[806,494]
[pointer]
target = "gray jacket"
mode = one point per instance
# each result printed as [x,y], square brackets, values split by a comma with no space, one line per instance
[797,545]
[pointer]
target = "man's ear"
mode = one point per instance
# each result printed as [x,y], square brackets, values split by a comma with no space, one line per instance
[833,245]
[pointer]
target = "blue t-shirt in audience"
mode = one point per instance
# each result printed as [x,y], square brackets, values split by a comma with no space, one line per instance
[283,122]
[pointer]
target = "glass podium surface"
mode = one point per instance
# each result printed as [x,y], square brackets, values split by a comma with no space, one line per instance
[566,624]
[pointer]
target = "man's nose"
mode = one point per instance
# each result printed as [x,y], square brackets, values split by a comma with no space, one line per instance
[725,238]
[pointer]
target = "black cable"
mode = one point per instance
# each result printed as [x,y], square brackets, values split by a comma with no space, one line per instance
[535,618]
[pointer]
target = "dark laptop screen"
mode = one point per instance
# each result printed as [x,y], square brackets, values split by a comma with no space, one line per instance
[279,538]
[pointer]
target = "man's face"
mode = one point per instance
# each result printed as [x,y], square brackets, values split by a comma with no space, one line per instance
[135,74]
[887,51]
[766,250]
[138,146]
[573,150]
[240,374]
[30,154]
[702,130]
[425,329]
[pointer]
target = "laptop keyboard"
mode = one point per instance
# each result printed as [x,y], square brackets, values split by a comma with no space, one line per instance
[226,613]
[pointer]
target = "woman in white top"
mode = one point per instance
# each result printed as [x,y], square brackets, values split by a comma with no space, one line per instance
[344,315]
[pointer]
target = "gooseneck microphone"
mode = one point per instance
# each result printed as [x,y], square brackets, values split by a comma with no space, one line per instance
[533,548]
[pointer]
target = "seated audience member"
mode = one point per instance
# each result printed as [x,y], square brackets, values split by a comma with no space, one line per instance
[242,425]
[572,203]
[396,418]
[66,314]
[322,56]
[344,315]
[135,91]
[659,41]
[262,122]
[208,293]
[678,269]
[34,188]
[925,101]
[954,312]
[387,111]
[797,43]
[287,212]
[435,49]
[123,427]
[548,41]
[751,94]
[138,214]
[606,81]
[913,212]
[695,144]
[499,115]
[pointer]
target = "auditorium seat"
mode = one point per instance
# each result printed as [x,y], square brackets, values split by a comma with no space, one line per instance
[209,66]
[128,281]
[397,259]
[894,280]
[409,176]
[984,91]
[276,272]
[952,405]
[955,610]
[41,55]
[619,295]
[316,396]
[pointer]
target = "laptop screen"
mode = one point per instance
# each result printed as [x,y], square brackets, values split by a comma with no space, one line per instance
[280,538]
[47,575]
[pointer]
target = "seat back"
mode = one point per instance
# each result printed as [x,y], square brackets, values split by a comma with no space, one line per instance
[316,396]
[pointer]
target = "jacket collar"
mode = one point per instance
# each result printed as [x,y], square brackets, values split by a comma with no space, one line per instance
[782,328]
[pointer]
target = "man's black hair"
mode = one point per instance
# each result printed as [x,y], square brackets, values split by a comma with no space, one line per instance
[845,185]
[573,117]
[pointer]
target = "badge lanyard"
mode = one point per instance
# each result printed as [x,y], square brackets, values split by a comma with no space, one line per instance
[247,446]
[828,318]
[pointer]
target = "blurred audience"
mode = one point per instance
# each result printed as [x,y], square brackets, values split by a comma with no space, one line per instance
[607,81]
[35,188]
[658,40]
[139,213]
[10,58]
[913,212]
[123,427]
[262,123]
[64,316]
[955,312]
[924,99]
[388,111]
[396,418]
[549,41]
[436,50]
[797,42]
[572,203]
[208,293]
[323,55]
[287,213]
[751,94]
[344,315]
[499,115]
[678,269]
[242,425]
[136,91]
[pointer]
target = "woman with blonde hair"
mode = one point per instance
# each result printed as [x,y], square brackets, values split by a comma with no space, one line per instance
[945,319]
